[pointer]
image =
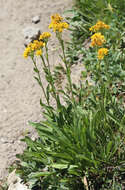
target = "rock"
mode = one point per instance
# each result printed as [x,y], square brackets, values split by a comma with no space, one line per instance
[31,34]
[27,41]
[14,182]
[17,186]
[12,178]
[6,140]
[36,19]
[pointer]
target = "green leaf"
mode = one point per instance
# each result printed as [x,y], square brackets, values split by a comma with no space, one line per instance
[63,156]
[39,174]
[36,70]
[59,166]
[115,120]
[109,146]
[48,92]
[84,74]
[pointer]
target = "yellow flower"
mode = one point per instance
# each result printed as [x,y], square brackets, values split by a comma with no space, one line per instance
[45,35]
[58,26]
[36,45]
[56,23]
[98,26]
[65,25]
[33,46]
[97,39]
[41,44]
[26,52]
[56,18]
[39,52]
[102,52]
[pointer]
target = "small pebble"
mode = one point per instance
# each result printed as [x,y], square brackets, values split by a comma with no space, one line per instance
[31,32]
[5,140]
[36,19]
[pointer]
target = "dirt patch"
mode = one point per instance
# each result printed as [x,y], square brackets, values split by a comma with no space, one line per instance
[19,93]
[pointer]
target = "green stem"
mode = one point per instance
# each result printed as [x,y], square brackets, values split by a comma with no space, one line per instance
[68,71]
[40,82]
[107,72]
[44,64]
[49,77]
[47,56]
[99,71]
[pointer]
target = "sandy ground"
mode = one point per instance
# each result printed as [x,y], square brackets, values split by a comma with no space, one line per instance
[19,93]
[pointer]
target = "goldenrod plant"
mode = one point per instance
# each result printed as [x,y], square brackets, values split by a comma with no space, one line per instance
[81,141]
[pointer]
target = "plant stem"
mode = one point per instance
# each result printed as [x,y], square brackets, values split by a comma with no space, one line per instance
[40,82]
[49,77]
[47,56]
[107,73]
[68,71]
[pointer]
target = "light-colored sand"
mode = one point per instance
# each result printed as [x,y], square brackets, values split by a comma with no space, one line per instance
[19,93]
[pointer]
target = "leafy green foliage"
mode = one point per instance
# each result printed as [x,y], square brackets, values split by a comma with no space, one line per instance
[81,140]
[74,143]
[86,13]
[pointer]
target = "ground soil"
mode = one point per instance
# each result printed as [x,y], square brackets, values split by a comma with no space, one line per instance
[19,92]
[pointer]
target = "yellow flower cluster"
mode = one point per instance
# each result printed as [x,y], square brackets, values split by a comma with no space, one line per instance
[57,24]
[34,47]
[98,26]
[38,52]
[45,35]
[97,39]
[102,52]
[26,52]
[56,17]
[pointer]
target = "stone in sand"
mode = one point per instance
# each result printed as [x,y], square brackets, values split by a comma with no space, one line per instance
[14,182]
[36,19]
[31,34]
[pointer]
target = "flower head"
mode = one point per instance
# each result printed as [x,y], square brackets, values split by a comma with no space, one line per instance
[39,52]
[26,52]
[34,46]
[102,52]
[56,18]
[97,39]
[57,24]
[45,35]
[98,26]
[41,44]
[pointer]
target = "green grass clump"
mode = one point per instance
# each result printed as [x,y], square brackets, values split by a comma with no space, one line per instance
[81,143]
